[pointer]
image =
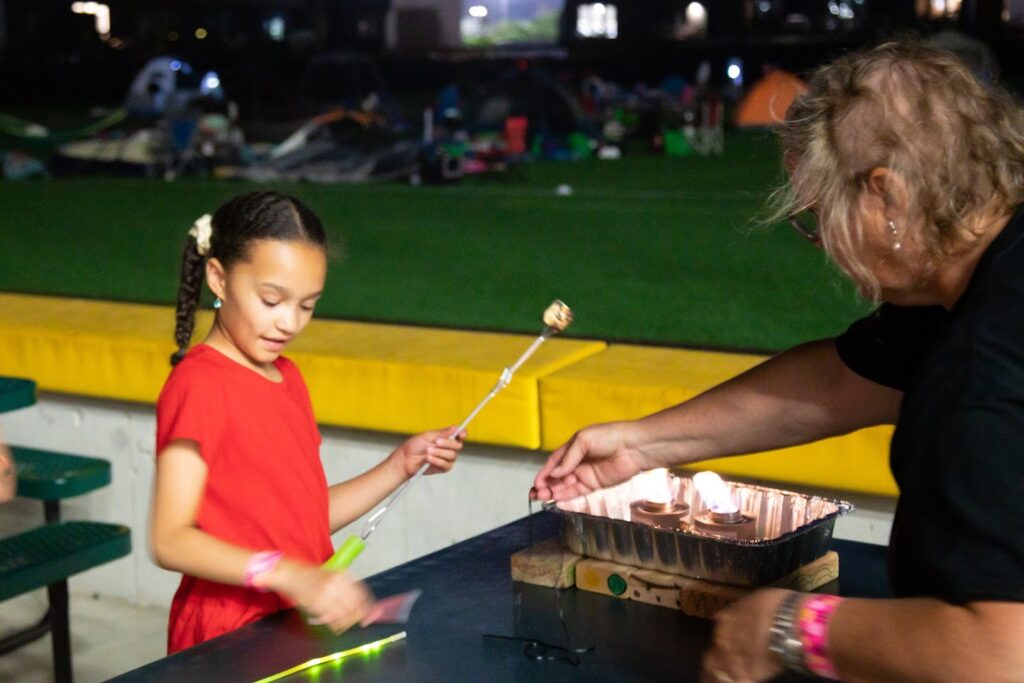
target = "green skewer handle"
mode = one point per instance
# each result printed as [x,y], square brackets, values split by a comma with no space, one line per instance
[346,553]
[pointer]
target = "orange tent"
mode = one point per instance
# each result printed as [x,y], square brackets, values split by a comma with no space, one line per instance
[766,103]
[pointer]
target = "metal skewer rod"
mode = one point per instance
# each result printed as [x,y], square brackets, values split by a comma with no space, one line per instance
[503,381]
[556,318]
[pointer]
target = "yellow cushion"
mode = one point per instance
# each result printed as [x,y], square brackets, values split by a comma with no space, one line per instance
[91,348]
[626,382]
[383,377]
[406,379]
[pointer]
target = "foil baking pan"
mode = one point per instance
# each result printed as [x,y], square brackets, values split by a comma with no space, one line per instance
[791,530]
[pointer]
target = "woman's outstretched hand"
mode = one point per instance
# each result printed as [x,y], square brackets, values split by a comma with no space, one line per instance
[739,646]
[594,458]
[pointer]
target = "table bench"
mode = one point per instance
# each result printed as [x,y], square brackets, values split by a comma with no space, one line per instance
[45,557]
[48,555]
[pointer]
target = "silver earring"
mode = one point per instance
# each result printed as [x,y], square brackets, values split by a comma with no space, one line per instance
[217,303]
[896,244]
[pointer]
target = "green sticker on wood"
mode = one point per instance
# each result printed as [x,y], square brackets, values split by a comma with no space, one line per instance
[616,584]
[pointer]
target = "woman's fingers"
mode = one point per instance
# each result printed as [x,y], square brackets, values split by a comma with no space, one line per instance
[739,651]
[542,482]
[569,487]
[572,457]
[549,485]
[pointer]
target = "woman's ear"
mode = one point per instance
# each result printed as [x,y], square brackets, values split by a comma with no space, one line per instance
[216,277]
[888,186]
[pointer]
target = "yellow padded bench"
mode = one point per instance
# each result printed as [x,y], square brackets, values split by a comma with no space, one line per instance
[626,382]
[360,375]
[405,379]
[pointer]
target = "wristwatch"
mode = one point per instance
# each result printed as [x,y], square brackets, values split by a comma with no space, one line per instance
[784,640]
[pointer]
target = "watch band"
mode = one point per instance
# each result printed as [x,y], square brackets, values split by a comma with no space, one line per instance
[784,640]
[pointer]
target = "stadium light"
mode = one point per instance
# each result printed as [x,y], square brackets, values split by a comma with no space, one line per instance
[697,15]
[98,10]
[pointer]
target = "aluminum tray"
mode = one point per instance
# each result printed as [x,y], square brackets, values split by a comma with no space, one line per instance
[792,529]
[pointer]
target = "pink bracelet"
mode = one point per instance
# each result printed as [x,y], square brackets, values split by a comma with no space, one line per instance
[812,625]
[260,563]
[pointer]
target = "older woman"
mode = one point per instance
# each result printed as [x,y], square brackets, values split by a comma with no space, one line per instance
[909,173]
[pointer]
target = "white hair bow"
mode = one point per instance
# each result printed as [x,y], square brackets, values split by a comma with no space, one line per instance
[202,230]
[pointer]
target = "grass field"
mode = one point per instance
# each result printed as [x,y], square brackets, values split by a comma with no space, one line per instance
[651,249]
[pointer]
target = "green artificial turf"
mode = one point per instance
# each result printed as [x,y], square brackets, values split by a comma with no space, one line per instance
[646,248]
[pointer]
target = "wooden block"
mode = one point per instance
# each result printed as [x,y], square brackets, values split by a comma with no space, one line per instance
[813,575]
[704,598]
[545,564]
[696,597]
[656,588]
[607,578]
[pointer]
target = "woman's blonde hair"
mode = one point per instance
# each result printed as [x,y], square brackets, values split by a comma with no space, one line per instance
[957,144]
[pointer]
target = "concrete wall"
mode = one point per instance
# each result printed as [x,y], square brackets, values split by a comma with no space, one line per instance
[487,488]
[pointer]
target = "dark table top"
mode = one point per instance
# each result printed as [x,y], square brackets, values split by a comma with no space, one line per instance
[467,593]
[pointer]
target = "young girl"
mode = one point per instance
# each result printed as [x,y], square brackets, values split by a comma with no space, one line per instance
[241,506]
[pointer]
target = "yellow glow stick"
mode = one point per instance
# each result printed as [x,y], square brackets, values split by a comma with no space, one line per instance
[369,647]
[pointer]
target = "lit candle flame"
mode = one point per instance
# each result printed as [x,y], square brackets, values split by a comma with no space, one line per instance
[655,487]
[714,492]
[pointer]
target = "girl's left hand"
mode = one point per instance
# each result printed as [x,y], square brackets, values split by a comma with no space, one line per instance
[433,447]
[739,646]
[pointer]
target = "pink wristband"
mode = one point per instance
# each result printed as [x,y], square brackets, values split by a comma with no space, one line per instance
[260,563]
[812,625]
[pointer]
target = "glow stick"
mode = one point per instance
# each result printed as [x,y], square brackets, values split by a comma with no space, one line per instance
[317,661]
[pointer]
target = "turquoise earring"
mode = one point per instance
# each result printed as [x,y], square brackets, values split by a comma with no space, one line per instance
[217,303]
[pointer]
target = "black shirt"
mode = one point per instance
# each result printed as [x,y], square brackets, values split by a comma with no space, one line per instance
[958,450]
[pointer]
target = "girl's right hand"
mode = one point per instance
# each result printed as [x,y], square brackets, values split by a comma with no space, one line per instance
[331,598]
[594,458]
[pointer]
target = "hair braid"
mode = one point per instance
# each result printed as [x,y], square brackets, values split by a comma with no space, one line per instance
[188,298]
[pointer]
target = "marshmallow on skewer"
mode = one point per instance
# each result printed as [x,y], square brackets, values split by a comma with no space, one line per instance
[557,316]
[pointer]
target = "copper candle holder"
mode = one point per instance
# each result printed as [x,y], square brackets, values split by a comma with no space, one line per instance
[733,525]
[662,514]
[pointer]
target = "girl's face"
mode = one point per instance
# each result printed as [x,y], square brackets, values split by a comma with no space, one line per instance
[268,298]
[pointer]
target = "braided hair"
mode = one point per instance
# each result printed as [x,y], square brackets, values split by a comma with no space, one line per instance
[236,224]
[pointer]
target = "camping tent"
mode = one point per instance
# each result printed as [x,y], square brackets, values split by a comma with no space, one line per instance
[766,103]
[166,85]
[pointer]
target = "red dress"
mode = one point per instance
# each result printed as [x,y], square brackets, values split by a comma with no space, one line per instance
[265,487]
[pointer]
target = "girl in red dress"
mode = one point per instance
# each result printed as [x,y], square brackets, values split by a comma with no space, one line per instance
[241,506]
